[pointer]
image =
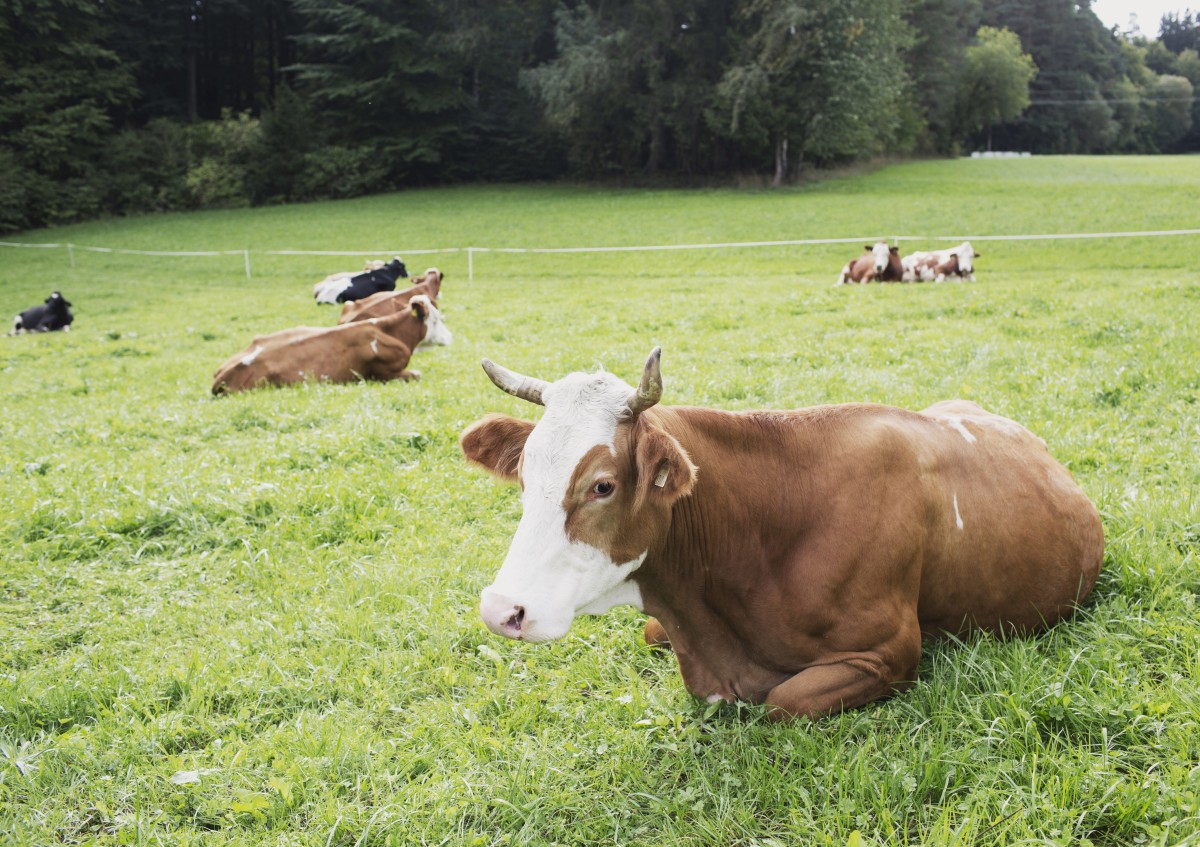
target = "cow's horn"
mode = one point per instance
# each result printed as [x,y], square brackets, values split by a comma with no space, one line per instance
[649,390]
[525,387]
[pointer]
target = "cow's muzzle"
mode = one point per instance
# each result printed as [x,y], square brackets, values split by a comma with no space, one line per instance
[501,615]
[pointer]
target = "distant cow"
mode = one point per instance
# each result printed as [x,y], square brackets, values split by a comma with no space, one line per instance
[389,302]
[52,316]
[879,264]
[940,265]
[326,291]
[792,558]
[372,282]
[375,349]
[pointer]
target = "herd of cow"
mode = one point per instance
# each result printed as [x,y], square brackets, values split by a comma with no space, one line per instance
[881,263]
[795,558]
[376,335]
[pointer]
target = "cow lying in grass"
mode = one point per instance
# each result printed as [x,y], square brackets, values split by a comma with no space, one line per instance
[940,265]
[326,291]
[389,302]
[376,349]
[879,263]
[792,558]
[51,316]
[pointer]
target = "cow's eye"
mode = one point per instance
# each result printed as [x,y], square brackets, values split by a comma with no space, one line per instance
[603,488]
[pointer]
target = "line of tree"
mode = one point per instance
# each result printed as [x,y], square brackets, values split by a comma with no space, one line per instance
[127,106]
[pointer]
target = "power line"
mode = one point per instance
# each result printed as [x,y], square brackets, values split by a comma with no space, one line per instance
[1117,100]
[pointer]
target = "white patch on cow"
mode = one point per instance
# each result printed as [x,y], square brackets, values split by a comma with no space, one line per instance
[958,521]
[437,334]
[957,424]
[626,594]
[249,360]
[844,276]
[966,259]
[375,346]
[547,575]
[327,290]
[881,253]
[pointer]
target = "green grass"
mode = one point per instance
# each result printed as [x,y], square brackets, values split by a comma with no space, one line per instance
[252,620]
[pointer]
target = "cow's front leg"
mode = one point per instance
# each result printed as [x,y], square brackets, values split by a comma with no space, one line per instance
[848,680]
[825,689]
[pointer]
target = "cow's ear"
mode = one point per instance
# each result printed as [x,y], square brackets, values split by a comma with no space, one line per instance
[977,253]
[496,443]
[895,250]
[868,247]
[420,309]
[664,469]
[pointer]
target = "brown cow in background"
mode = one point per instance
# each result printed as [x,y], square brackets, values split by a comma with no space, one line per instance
[385,303]
[375,349]
[879,264]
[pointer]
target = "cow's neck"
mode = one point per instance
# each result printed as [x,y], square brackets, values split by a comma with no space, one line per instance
[402,326]
[709,579]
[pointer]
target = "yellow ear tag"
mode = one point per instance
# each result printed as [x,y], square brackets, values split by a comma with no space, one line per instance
[661,479]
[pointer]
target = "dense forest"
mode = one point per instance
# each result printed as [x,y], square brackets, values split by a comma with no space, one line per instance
[125,106]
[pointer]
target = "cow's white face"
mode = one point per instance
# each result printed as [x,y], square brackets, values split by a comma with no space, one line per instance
[548,576]
[436,332]
[881,253]
[598,483]
[966,257]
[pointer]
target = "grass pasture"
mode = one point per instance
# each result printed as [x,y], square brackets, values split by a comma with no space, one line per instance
[252,620]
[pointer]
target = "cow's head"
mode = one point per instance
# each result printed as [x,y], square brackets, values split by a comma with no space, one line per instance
[436,333]
[432,278]
[882,254]
[598,481]
[965,254]
[57,300]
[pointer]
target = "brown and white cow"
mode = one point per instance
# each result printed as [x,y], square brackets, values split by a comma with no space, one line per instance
[879,264]
[939,265]
[792,558]
[376,349]
[385,303]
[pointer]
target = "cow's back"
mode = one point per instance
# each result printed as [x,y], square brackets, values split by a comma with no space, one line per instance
[294,355]
[845,520]
[382,304]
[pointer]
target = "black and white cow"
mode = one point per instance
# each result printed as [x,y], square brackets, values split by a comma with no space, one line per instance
[372,282]
[54,315]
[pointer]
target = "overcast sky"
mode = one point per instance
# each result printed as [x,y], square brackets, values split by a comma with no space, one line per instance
[1149,12]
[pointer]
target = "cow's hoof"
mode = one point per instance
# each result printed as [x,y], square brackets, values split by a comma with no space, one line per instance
[656,636]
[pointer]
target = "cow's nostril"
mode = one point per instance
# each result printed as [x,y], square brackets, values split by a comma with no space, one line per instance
[515,619]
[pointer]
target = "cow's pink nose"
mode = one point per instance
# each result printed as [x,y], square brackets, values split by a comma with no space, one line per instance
[501,615]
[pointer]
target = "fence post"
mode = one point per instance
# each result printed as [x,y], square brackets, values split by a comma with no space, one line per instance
[246,253]
[71,253]
[470,264]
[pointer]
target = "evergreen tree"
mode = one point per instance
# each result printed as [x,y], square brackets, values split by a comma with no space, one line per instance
[383,82]
[60,85]
[942,29]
